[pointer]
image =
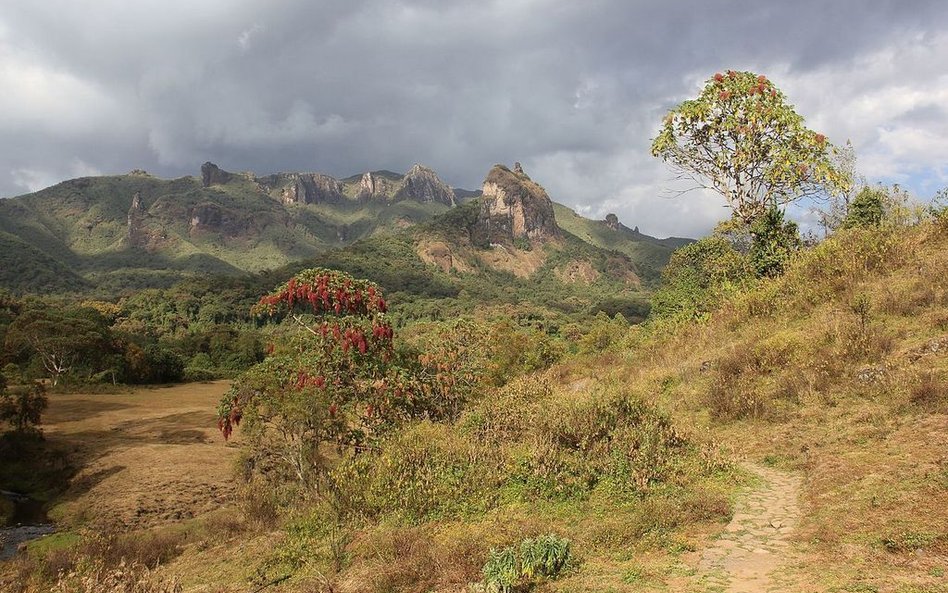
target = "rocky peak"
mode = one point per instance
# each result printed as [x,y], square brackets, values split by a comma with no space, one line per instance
[423,185]
[515,207]
[612,221]
[367,184]
[211,174]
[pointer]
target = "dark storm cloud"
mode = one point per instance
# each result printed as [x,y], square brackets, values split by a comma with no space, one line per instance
[574,90]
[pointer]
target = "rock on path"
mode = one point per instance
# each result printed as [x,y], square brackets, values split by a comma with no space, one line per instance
[755,544]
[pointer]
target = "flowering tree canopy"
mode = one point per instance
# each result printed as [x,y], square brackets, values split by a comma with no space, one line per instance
[740,138]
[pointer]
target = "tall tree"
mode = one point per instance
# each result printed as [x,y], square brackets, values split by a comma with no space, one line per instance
[62,338]
[741,138]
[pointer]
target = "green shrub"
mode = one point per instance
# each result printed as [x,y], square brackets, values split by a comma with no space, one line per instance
[21,407]
[501,571]
[577,443]
[774,240]
[421,472]
[866,209]
[545,556]
[698,277]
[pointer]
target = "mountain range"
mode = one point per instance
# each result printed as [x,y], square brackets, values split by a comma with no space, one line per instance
[118,233]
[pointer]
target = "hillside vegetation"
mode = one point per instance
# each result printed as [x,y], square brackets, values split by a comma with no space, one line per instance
[836,371]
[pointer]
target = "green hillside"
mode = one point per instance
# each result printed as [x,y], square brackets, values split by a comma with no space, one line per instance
[649,253]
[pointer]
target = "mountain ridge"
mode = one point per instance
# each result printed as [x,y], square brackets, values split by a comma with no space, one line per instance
[230,223]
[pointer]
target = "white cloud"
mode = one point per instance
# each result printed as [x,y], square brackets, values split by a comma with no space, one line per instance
[245,39]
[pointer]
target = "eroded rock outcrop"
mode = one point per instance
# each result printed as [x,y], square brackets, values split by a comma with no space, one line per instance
[379,185]
[423,185]
[136,217]
[368,185]
[612,221]
[211,174]
[514,207]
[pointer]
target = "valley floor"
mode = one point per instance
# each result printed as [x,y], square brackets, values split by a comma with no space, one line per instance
[147,458]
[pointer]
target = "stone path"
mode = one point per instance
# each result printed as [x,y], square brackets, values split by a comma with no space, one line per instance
[755,544]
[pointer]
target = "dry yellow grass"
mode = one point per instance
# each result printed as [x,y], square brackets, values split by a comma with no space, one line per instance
[148,457]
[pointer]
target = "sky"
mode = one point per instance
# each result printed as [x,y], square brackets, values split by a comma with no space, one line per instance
[574,90]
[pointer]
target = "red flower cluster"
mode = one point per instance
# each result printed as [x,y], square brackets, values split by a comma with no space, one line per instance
[304,379]
[226,424]
[327,292]
[347,338]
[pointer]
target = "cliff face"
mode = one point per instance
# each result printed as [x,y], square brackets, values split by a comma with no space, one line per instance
[311,188]
[376,186]
[513,207]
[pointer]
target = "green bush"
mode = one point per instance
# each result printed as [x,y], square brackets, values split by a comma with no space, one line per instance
[867,209]
[773,240]
[545,556]
[423,471]
[501,571]
[698,277]
[575,444]
[21,407]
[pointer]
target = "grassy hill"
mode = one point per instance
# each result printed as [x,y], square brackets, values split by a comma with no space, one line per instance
[833,378]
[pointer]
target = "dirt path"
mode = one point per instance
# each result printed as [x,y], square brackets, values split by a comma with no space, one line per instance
[755,545]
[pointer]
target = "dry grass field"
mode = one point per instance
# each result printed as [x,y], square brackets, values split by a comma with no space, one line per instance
[148,457]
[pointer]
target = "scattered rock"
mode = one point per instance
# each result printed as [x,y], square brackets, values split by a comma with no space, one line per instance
[871,374]
[937,345]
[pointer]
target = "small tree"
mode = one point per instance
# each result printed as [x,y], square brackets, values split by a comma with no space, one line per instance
[740,138]
[866,209]
[61,338]
[22,406]
[774,240]
[336,386]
